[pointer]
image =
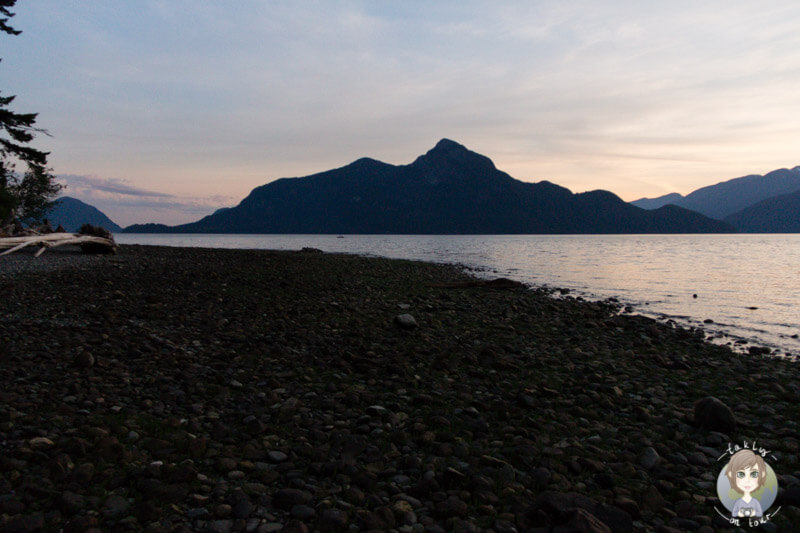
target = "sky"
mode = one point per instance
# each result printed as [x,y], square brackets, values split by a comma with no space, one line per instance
[163,111]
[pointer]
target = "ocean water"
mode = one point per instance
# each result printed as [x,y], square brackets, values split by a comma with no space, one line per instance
[736,287]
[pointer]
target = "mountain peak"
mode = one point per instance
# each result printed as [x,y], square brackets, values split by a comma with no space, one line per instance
[449,153]
[449,145]
[449,149]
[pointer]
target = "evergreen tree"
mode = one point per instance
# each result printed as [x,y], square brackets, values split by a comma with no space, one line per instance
[30,194]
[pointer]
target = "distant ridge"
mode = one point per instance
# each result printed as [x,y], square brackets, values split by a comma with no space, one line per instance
[654,203]
[72,213]
[729,197]
[779,214]
[448,190]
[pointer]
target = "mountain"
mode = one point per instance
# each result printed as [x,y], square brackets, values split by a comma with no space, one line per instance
[149,228]
[779,214]
[71,213]
[654,203]
[449,190]
[726,198]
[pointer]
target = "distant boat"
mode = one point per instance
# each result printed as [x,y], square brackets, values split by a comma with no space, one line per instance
[340,237]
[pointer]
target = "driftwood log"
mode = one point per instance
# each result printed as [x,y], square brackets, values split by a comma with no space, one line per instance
[88,243]
[497,283]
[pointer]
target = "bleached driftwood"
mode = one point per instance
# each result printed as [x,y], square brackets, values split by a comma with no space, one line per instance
[51,240]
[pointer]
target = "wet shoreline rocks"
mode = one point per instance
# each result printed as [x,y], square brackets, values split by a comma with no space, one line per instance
[168,389]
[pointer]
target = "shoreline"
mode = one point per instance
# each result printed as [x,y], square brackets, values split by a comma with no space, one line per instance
[219,389]
[768,327]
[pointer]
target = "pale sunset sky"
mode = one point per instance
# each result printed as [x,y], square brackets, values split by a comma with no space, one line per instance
[163,111]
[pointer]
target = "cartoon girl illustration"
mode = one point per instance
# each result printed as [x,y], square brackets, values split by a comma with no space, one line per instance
[746,473]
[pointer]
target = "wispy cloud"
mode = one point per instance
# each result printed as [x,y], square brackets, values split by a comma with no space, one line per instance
[126,204]
[109,185]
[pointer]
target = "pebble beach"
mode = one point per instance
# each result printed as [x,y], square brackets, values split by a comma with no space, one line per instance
[189,389]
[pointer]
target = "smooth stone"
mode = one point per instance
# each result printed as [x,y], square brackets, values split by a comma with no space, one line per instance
[40,443]
[277,456]
[405,321]
[711,413]
[115,506]
[333,519]
[649,458]
[302,512]
[286,498]
[84,360]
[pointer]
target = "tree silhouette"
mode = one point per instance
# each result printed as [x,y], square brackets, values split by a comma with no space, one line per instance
[30,194]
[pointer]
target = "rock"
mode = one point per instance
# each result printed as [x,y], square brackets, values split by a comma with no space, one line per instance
[294,526]
[40,443]
[558,503]
[697,458]
[83,360]
[11,505]
[302,512]
[710,413]
[758,350]
[353,495]
[146,512]
[582,521]
[376,521]
[789,496]
[220,526]
[116,506]
[450,507]
[71,502]
[377,410]
[84,473]
[651,500]
[604,480]
[286,498]
[628,505]
[615,518]
[223,510]
[198,513]
[404,512]
[405,321]
[242,508]
[649,458]
[277,456]
[333,520]
[24,523]
[541,477]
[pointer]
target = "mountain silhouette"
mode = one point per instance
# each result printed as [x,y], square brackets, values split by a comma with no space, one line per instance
[72,213]
[779,214]
[449,190]
[729,197]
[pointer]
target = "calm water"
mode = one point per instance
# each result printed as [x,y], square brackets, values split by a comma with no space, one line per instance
[749,285]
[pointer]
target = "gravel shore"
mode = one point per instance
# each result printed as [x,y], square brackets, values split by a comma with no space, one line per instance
[182,389]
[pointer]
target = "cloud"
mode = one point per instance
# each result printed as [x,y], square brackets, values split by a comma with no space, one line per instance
[126,204]
[109,185]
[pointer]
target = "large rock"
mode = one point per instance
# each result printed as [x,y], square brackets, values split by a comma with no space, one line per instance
[286,498]
[710,413]
[649,458]
[405,321]
[582,521]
